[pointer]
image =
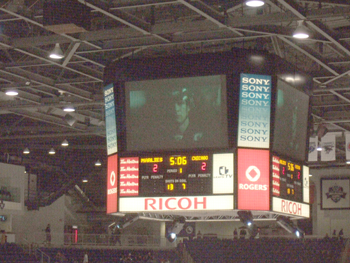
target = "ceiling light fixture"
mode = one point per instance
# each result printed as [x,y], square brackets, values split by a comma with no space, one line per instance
[64,143]
[301,31]
[69,108]
[11,92]
[56,53]
[85,180]
[52,151]
[98,163]
[26,151]
[254,3]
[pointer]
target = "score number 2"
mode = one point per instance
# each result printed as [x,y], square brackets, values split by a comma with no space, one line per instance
[204,166]
[155,168]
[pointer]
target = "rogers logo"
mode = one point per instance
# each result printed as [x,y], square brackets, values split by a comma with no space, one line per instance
[112,178]
[252,173]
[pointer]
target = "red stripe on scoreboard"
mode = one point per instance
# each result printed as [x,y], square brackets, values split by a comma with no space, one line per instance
[276,185]
[129,176]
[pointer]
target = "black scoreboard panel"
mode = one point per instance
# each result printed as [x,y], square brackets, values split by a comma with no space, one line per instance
[287,179]
[175,175]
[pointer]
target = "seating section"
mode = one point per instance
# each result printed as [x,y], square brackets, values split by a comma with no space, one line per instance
[112,255]
[11,253]
[265,250]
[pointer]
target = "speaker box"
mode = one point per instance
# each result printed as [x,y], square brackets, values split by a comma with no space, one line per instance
[66,16]
[69,119]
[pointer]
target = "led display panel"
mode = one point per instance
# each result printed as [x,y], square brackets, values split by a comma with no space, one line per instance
[287,179]
[253,179]
[184,182]
[291,122]
[110,117]
[176,113]
[254,111]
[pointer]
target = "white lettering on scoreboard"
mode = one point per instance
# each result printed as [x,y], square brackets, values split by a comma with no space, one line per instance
[290,207]
[176,203]
[254,111]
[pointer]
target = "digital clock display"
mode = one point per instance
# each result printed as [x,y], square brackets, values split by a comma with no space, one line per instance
[287,179]
[175,175]
[187,175]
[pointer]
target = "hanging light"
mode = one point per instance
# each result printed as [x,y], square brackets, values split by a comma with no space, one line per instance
[69,108]
[11,92]
[26,151]
[52,151]
[254,3]
[98,163]
[301,31]
[64,143]
[56,53]
[85,180]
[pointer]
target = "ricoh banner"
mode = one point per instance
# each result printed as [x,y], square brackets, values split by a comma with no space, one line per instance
[254,111]
[176,203]
[290,207]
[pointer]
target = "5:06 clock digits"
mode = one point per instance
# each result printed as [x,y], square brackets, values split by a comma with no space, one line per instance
[178,160]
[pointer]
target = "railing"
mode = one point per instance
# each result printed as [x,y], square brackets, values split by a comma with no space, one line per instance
[95,240]
[109,241]
[346,252]
[44,258]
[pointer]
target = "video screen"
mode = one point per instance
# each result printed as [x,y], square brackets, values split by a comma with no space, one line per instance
[177,113]
[291,121]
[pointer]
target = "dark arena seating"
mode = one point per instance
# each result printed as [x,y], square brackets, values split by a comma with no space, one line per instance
[207,250]
[13,253]
[265,250]
[104,255]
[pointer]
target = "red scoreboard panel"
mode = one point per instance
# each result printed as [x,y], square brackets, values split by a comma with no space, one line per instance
[112,184]
[176,182]
[253,179]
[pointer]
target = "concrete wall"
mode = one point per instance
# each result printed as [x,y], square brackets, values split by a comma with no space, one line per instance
[325,221]
[32,223]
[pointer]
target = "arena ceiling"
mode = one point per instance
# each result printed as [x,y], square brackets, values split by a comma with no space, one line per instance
[147,28]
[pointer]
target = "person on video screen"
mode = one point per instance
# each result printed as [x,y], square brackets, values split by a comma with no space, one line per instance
[184,128]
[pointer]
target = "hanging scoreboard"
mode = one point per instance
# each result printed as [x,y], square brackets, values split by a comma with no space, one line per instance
[183,182]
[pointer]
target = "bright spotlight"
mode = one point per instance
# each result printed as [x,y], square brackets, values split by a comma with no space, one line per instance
[175,229]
